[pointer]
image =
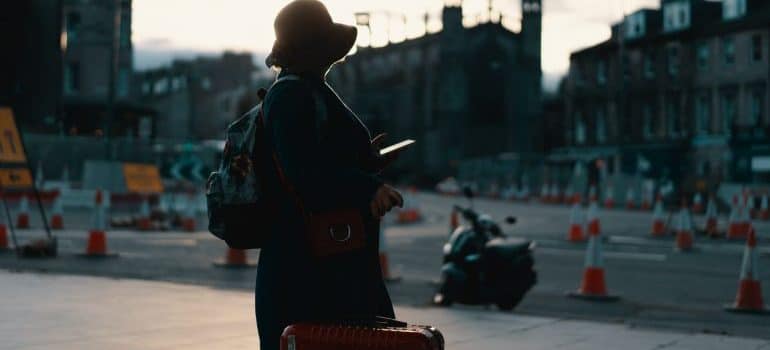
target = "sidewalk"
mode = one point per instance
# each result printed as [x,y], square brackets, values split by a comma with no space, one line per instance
[65,312]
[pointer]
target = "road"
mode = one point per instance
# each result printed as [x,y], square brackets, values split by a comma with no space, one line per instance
[659,288]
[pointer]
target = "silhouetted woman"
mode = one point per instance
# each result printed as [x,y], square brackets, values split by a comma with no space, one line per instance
[327,155]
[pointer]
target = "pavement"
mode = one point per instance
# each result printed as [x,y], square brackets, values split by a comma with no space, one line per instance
[42,311]
[659,287]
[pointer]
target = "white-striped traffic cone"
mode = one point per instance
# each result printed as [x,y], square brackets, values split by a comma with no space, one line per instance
[609,197]
[749,296]
[22,217]
[593,286]
[764,211]
[96,247]
[712,218]
[734,221]
[684,234]
[387,273]
[189,223]
[57,213]
[630,199]
[544,193]
[697,203]
[658,219]
[554,193]
[576,221]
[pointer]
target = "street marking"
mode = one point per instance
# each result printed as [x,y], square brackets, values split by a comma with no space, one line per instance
[608,255]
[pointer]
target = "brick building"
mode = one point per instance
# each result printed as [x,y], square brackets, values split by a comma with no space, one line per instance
[462,92]
[679,92]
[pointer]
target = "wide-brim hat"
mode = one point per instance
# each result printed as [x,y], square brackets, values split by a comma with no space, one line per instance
[306,37]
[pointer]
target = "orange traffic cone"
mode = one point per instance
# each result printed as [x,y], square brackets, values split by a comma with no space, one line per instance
[658,219]
[697,203]
[97,238]
[554,194]
[592,193]
[646,200]
[684,236]
[576,223]
[410,213]
[188,220]
[235,259]
[387,274]
[22,218]
[630,200]
[454,221]
[3,237]
[745,216]
[734,226]
[143,222]
[749,296]
[609,197]
[544,193]
[57,216]
[712,219]
[764,211]
[593,286]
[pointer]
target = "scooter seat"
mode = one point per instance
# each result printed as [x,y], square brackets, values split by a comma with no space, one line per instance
[507,248]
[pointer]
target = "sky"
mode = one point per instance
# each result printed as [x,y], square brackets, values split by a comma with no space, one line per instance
[163,29]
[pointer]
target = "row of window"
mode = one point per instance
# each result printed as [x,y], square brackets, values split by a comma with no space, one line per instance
[674,59]
[675,125]
[72,82]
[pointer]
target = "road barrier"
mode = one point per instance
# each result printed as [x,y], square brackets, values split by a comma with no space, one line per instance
[96,246]
[593,286]
[684,234]
[658,219]
[235,259]
[749,296]
[22,217]
[576,222]
[57,214]
[189,223]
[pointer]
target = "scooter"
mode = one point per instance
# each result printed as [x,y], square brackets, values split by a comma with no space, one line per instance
[482,265]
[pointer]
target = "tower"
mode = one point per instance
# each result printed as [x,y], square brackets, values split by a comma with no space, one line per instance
[531,29]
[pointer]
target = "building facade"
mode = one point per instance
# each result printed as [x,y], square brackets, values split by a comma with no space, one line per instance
[679,92]
[462,92]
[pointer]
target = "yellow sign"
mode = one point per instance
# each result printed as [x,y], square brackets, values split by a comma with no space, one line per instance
[15,178]
[142,178]
[11,150]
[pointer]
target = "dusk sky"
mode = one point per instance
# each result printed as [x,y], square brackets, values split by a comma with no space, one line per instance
[166,28]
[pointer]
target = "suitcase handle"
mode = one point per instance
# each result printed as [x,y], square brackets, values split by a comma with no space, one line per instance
[377,321]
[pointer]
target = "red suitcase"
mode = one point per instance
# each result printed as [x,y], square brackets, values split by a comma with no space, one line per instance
[381,334]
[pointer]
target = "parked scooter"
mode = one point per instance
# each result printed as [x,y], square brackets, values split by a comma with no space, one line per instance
[482,265]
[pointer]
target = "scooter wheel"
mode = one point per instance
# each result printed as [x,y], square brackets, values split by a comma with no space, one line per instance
[441,300]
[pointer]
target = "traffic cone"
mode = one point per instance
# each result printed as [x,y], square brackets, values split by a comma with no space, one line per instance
[658,219]
[609,197]
[454,221]
[576,223]
[734,226]
[646,200]
[745,216]
[544,193]
[592,193]
[684,236]
[410,213]
[234,259]
[143,222]
[712,219]
[387,274]
[188,220]
[57,213]
[593,286]
[630,200]
[764,211]
[524,193]
[697,203]
[554,194]
[22,217]
[749,296]
[3,237]
[569,194]
[96,246]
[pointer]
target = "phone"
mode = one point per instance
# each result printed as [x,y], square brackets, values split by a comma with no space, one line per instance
[396,147]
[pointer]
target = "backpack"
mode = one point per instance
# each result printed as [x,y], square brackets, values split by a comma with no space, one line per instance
[239,211]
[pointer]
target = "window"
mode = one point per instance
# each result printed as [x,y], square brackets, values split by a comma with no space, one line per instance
[601,126]
[702,114]
[728,46]
[648,122]
[729,111]
[601,73]
[649,65]
[756,107]
[72,78]
[703,53]
[72,24]
[580,129]
[676,15]
[756,48]
[732,9]
[672,117]
[673,61]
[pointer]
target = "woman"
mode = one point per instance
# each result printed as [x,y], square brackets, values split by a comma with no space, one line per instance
[326,155]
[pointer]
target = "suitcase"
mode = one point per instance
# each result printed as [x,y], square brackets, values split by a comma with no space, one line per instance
[379,334]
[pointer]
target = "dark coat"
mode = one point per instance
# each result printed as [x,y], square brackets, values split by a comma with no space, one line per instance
[326,169]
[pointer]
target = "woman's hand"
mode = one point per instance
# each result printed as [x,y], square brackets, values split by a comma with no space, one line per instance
[382,162]
[384,200]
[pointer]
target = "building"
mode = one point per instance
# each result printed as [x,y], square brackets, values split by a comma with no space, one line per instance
[196,99]
[463,92]
[679,92]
